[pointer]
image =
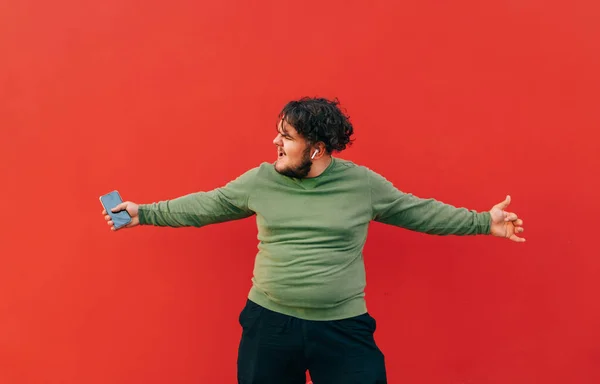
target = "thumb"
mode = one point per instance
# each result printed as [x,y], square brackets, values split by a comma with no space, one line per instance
[120,207]
[504,204]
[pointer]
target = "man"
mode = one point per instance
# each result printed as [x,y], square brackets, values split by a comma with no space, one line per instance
[306,308]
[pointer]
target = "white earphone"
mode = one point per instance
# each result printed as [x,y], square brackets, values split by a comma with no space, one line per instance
[314,154]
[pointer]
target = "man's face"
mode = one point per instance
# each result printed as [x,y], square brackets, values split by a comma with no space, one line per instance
[293,152]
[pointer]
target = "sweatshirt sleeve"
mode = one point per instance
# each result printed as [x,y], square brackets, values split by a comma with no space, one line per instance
[226,203]
[394,207]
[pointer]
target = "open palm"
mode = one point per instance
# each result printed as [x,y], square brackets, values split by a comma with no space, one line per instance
[506,224]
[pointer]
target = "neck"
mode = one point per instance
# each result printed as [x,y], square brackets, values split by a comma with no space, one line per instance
[319,166]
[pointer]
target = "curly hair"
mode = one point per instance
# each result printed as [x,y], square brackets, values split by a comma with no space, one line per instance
[319,119]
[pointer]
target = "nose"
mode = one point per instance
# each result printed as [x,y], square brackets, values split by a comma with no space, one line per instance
[277,140]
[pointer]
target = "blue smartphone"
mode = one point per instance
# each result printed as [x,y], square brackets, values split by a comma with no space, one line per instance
[111,200]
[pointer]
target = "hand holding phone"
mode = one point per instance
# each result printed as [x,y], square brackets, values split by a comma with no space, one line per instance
[119,214]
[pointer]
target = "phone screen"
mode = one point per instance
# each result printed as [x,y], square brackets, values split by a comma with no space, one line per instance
[111,200]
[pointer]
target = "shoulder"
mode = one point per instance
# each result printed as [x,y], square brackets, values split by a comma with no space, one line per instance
[347,165]
[250,176]
[350,166]
[262,171]
[258,170]
[371,178]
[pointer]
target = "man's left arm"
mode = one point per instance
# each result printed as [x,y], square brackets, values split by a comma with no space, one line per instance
[394,207]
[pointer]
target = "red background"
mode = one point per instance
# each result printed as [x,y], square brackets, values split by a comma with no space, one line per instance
[465,102]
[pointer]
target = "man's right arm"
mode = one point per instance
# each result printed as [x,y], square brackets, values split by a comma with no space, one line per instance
[229,202]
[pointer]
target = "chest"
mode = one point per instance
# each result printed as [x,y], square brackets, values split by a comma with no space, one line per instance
[338,213]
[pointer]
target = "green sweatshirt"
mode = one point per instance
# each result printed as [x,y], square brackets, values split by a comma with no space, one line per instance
[311,232]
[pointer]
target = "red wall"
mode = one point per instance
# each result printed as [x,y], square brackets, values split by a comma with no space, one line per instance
[465,102]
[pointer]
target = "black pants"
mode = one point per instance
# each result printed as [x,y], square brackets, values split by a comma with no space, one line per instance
[278,349]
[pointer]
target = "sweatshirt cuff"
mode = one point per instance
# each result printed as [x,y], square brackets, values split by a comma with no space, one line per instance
[484,223]
[142,214]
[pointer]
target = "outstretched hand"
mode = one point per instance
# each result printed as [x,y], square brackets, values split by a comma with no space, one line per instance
[130,207]
[506,224]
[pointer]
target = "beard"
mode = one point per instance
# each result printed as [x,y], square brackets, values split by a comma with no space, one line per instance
[299,171]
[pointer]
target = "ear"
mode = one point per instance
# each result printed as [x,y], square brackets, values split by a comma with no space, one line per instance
[318,150]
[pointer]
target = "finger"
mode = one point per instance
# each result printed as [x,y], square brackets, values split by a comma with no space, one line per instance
[518,222]
[519,229]
[110,223]
[119,207]
[510,216]
[107,218]
[505,203]
[104,211]
[517,239]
